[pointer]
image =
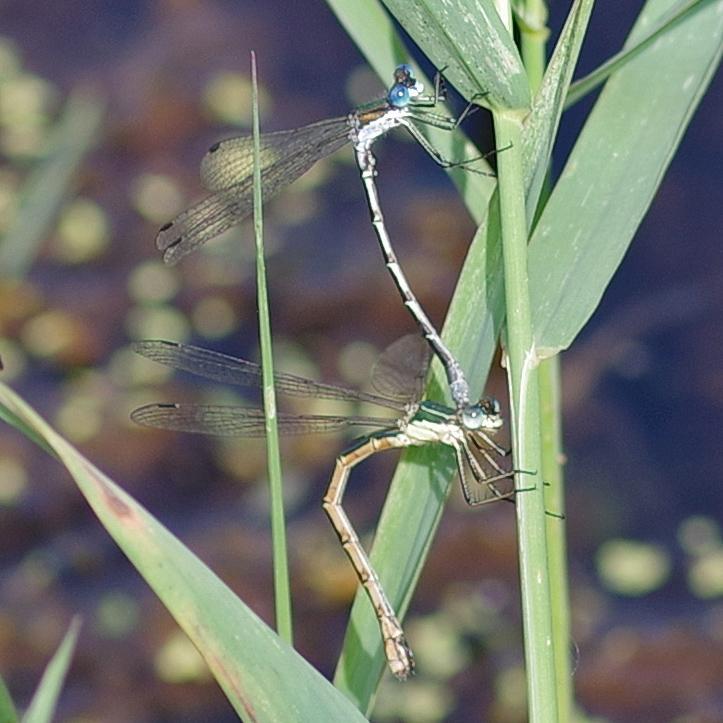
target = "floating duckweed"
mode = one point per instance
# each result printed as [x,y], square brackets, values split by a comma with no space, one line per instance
[632,568]
[13,358]
[151,281]
[438,646]
[79,419]
[512,693]
[157,322]
[228,98]
[25,114]
[9,59]
[156,197]
[417,700]
[13,480]
[9,198]
[355,361]
[116,615]
[214,317]
[178,661]
[705,577]
[699,534]
[50,333]
[83,232]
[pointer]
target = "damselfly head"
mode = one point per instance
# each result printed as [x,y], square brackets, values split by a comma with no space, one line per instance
[400,95]
[483,415]
[404,75]
[405,88]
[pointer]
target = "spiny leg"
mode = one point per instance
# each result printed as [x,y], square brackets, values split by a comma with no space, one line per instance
[465,454]
[433,153]
[501,451]
[490,481]
[488,441]
[466,490]
[399,656]
[492,462]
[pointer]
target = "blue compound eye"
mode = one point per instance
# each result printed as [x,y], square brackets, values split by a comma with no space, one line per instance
[398,96]
[404,71]
[473,416]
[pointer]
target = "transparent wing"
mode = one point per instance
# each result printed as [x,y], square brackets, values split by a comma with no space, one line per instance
[230,161]
[226,421]
[202,222]
[228,170]
[400,370]
[230,370]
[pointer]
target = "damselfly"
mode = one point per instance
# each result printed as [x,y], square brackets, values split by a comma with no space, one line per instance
[398,379]
[227,171]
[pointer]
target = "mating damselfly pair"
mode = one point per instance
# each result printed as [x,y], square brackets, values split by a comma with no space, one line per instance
[468,427]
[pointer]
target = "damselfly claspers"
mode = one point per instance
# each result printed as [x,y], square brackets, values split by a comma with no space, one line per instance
[398,380]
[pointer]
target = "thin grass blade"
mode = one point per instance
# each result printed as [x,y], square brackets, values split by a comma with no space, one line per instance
[282,588]
[8,714]
[45,700]
[543,121]
[580,88]
[48,185]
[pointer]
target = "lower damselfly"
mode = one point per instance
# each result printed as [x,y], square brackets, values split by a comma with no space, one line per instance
[398,379]
[227,171]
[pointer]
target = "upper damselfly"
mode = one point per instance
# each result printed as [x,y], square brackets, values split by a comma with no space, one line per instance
[227,167]
[227,171]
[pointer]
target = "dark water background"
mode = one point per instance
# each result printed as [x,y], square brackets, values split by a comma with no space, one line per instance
[643,390]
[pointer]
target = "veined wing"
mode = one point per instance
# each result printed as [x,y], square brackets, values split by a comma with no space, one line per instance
[228,162]
[233,201]
[231,370]
[227,421]
[400,370]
